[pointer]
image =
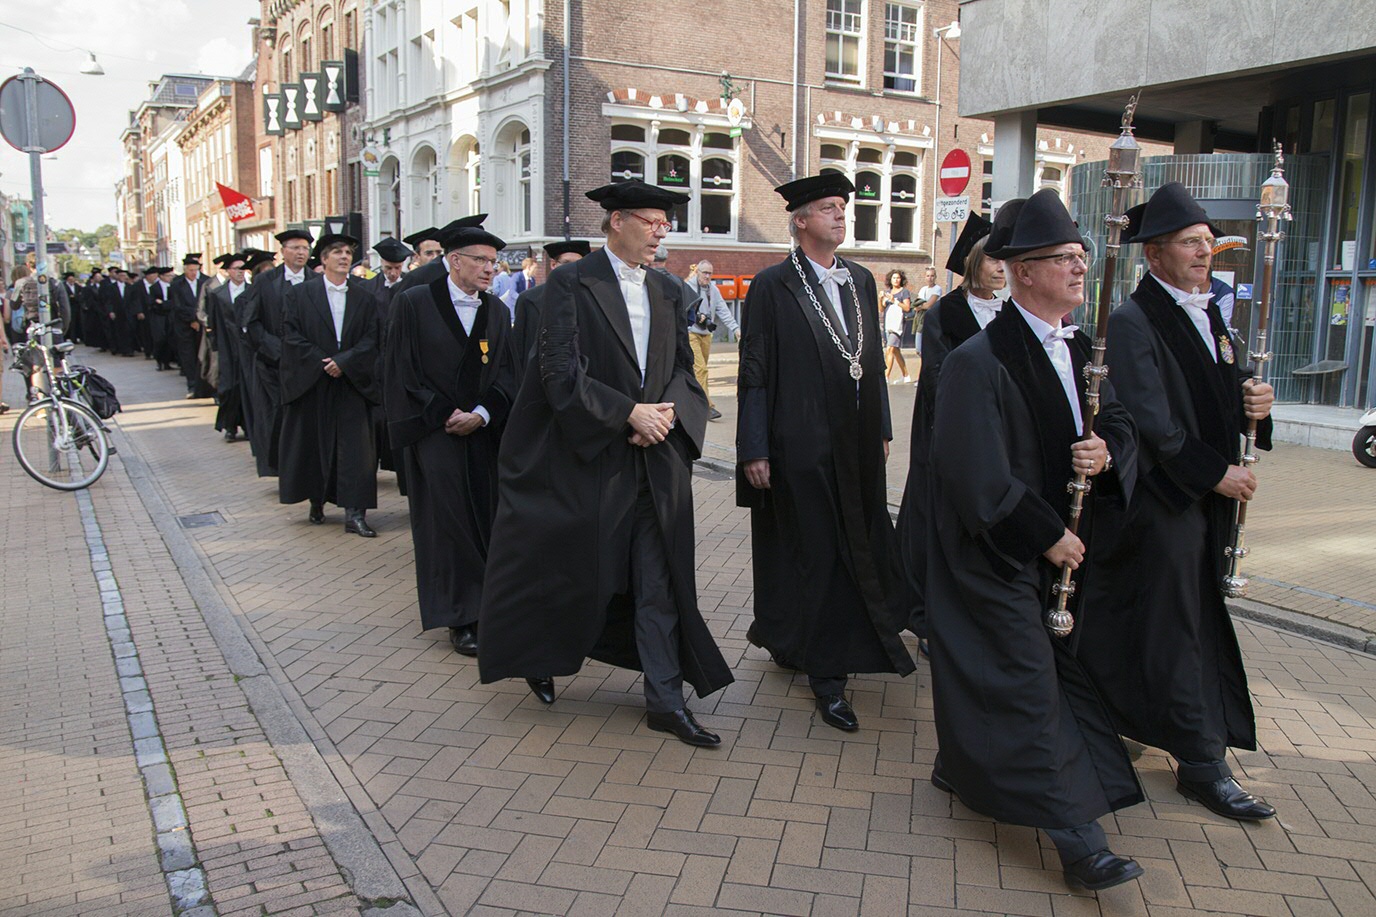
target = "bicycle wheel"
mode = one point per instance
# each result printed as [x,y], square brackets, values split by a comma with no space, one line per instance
[61,444]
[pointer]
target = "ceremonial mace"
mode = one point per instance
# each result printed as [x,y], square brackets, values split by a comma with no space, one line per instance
[1121,176]
[1274,209]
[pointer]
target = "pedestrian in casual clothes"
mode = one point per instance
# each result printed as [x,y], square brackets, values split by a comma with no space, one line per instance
[895,303]
[710,309]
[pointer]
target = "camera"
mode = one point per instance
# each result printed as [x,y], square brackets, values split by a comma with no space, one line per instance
[705,322]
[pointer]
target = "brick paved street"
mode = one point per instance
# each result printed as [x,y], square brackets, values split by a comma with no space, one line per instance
[328,751]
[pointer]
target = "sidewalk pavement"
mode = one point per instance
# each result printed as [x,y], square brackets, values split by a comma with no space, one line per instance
[325,756]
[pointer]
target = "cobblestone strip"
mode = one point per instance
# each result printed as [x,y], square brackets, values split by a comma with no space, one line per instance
[180,864]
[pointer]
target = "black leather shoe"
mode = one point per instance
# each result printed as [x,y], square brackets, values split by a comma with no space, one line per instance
[1101,870]
[356,524]
[753,639]
[230,437]
[684,727]
[542,688]
[317,514]
[836,711]
[1225,797]
[465,639]
[713,414]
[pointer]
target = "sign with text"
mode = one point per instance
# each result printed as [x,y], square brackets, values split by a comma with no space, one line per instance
[955,172]
[952,209]
[237,206]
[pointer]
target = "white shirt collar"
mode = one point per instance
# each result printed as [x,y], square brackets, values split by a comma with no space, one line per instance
[336,288]
[617,263]
[293,276]
[459,297]
[1040,328]
[820,269]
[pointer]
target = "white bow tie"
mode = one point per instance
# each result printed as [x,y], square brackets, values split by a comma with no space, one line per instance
[466,300]
[1063,333]
[839,274]
[341,288]
[632,275]
[1198,301]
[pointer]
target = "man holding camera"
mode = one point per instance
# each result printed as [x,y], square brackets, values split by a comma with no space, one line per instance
[702,321]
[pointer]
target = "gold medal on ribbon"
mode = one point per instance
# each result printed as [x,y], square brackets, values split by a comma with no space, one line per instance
[1225,349]
[482,345]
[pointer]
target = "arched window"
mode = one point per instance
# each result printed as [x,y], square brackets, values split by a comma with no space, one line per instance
[699,162]
[888,183]
[902,208]
[717,187]
[626,165]
[628,132]
[834,152]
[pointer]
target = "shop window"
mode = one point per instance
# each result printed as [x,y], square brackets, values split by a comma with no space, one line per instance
[703,168]
[718,180]
[902,208]
[716,141]
[627,165]
[867,198]
[833,151]
[629,132]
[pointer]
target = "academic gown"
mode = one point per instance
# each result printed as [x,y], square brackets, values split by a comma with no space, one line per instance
[93,328]
[947,325]
[328,447]
[1024,737]
[1161,642]
[821,533]
[433,367]
[119,334]
[159,316]
[182,295]
[558,572]
[222,326]
[262,316]
[387,457]
[139,301]
[424,275]
[525,326]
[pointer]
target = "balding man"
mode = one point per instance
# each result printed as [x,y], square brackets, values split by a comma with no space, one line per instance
[708,311]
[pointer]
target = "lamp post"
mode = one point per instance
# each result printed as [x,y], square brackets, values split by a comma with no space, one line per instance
[944,33]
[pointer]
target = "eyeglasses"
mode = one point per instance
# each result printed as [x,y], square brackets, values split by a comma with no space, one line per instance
[1194,243]
[1066,259]
[479,259]
[655,225]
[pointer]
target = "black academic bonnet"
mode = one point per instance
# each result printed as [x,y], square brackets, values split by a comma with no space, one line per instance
[575,246]
[392,251]
[287,235]
[430,233]
[976,228]
[469,222]
[192,258]
[333,238]
[827,183]
[635,195]
[257,259]
[223,260]
[1022,226]
[470,235]
[1169,210]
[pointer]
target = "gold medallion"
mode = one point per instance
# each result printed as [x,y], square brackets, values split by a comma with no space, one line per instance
[482,345]
[1225,349]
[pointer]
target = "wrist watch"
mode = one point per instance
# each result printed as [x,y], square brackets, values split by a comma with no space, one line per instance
[1108,460]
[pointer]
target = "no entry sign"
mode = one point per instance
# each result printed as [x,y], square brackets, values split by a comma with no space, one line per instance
[955,172]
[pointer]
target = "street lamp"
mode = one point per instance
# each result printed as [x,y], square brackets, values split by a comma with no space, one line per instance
[951,33]
[92,66]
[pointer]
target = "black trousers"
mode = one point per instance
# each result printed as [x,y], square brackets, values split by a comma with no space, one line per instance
[656,614]
[1202,770]
[1078,842]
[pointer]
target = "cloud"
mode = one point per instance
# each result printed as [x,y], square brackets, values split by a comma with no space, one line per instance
[222,57]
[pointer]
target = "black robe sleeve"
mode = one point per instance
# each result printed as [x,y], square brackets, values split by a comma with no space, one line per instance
[757,337]
[302,362]
[261,338]
[1012,523]
[590,414]
[359,358]
[413,408]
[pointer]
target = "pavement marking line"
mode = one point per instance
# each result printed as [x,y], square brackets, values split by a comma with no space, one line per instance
[178,859]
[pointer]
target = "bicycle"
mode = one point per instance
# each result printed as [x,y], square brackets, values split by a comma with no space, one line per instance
[59,441]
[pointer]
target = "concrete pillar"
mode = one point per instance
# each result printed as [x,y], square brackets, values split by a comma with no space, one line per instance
[1194,137]
[1015,153]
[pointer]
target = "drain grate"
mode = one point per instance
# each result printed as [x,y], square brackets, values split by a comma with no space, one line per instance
[200,520]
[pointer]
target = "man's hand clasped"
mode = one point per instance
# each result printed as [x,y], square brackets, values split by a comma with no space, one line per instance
[650,423]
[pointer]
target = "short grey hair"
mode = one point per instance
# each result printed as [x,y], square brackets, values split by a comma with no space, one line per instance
[705,265]
[803,211]
[661,254]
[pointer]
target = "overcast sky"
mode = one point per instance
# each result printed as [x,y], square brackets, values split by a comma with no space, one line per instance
[136,41]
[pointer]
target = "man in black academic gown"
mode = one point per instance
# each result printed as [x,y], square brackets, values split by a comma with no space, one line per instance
[222,326]
[383,285]
[92,314]
[138,301]
[450,381]
[183,298]
[430,267]
[72,292]
[114,308]
[157,314]
[526,321]
[946,325]
[330,338]
[263,328]
[1023,736]
[592,550]
[1159,639]
[812,438]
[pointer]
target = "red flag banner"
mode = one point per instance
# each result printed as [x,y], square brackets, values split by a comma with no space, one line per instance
[237,206]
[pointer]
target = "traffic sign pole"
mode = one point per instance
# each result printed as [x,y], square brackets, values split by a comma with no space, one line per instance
[40,238]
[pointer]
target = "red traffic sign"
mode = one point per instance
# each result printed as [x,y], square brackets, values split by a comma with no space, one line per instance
[955,172]
[56,119]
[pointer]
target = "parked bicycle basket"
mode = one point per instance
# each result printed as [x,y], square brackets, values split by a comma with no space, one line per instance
[98,390]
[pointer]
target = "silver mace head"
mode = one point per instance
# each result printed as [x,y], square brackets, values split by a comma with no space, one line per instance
[1235,587]
[1060,623]
[1124,153]
[1275,191]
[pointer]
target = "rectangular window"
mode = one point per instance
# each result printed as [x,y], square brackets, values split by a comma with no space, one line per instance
[844,33]
[902,27]
[291,200]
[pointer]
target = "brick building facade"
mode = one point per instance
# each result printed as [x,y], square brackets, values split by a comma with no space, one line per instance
[218,145]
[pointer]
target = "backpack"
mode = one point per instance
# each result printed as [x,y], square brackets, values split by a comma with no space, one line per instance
[99,391]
